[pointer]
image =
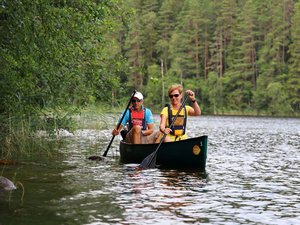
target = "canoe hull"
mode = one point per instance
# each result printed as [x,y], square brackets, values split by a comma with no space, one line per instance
[187,154]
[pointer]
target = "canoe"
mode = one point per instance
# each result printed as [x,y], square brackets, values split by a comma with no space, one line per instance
[186,154]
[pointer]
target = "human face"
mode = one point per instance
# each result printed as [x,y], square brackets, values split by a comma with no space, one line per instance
[175,97]
[136,103]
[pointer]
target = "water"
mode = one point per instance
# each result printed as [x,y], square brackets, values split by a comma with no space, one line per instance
[252,178]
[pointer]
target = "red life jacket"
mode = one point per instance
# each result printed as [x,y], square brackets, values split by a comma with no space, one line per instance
[137,118]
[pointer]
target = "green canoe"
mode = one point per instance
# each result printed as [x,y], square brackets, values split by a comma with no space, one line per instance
[186,154]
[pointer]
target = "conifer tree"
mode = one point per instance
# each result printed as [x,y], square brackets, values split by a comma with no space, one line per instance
[293,82]
[141,40]
[224,12]
[240,77]
[166,25]
[186,40]
[272,59]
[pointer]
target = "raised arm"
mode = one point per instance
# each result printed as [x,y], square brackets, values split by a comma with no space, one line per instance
[195,110]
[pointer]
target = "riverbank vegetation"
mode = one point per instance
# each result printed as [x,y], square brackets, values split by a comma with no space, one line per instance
[240,57]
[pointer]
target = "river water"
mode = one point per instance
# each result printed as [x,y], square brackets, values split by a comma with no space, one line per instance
[252,177]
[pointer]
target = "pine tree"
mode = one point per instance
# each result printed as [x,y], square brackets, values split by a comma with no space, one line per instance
[240,77]
[294,67]
[272,53]
[224,13]
[186,41]
[166,24]
[135,55]
[141,40]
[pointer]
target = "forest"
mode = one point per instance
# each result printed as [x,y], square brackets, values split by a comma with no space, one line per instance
[241,57]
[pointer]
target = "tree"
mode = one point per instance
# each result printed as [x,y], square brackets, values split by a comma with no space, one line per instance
[240,77]
[224,13]
[293,82]
[272,54]
[141,41]
[166,24]
[53,56]
[185,41]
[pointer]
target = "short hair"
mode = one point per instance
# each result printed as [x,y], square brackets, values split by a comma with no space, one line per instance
[175,87]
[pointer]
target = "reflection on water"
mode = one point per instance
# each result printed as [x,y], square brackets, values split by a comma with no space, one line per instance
[252,178]
[159,196]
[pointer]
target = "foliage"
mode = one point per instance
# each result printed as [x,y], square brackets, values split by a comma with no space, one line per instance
[57,56]
[54,54]
[245,46]
[293,82]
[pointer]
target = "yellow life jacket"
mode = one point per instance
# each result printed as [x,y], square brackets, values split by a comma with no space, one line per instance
[179,125]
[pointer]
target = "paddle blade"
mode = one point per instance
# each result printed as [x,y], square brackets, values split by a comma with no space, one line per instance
[149,162]
[96,158]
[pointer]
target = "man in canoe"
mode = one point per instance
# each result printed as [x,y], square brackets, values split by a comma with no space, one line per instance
[178,130]
[140,123]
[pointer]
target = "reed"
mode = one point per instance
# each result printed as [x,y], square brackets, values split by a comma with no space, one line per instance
[25,138]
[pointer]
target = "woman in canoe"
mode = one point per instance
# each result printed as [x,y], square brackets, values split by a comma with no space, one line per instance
[178,130]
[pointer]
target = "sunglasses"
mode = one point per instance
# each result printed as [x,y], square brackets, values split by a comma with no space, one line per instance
[176,96]
[135,100]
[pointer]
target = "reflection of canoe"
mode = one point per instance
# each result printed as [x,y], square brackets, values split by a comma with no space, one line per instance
[190,153]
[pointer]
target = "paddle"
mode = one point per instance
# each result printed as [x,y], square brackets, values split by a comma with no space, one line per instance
[150,161]
[118,126]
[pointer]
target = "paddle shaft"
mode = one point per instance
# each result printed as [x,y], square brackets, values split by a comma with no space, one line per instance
[119,124]
[150,158]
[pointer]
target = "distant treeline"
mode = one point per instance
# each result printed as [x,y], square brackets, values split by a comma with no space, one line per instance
[240,56]
[56,55]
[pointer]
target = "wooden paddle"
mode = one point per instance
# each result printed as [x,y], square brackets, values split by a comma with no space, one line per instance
[150,161]
[118,126]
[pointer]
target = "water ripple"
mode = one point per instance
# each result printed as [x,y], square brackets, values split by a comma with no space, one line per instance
[252,177]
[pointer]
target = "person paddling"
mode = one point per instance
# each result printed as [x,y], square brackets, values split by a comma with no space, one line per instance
[140,123]
[178,130]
